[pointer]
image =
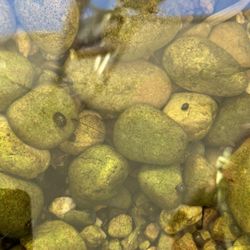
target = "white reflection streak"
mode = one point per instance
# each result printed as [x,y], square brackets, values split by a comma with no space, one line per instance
[103,64]
[97,62]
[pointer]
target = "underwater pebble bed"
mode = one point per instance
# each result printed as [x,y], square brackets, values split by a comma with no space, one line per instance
[124,125]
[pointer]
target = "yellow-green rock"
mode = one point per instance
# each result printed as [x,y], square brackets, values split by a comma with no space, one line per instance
[231,122]
[162,185]
[55,234]
[177,220]
[242,243]
[145,134]
[141,4]
[18,158]
[194,112]
[222,229]
[90,131]
[118,87]
[53,25]
[237,185]
[199,65]
[232,37]
[97,174]
[138,34]
[200,181]
[120,226]
[93,235]
[21,203]
[16,77]
[44,117]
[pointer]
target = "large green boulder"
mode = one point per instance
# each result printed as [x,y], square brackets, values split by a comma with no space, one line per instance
[145,134]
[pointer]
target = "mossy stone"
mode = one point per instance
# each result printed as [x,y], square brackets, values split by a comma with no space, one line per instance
[222,229]
[90,131]
[53,25]
[94,236]
[113,244]
[200,181]
[122,200]
[138,35]
[194,112]
[162,185]
[21,203]
[242,243]
[118,87]
[79,218]
[55,235]
[231,122]
[141,4]
[237,185]
[199,65]
[232,37]
[17,157]
[120,226]
[177,220]
[16,77]
[145,134]
[97,174]
[44,117]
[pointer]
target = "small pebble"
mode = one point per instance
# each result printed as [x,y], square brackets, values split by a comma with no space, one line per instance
[120,226]
[224,229]
[152,231]
[93,236]
[61,205]
[176,220]
[185,242]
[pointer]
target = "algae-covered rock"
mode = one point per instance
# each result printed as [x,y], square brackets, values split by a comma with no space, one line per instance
[174,221]
[51,24]
[97,174]
[93,235]
[44,117]
[237,185]
[199,65]
[55,235]
[90,131]
[152,231]
[118,87]
[242,243]
[162,185]
[120,226]
[16,77]
[145,134]
[200,181]
[194,112]
[141,4]
[165,242]
[113,244]
[229,125]
[79,218]
[185,242]
[122,200]
[222,229]
[7,20]
[17,157]
[21,203]
[232,37]
[138,34]
[210,245]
